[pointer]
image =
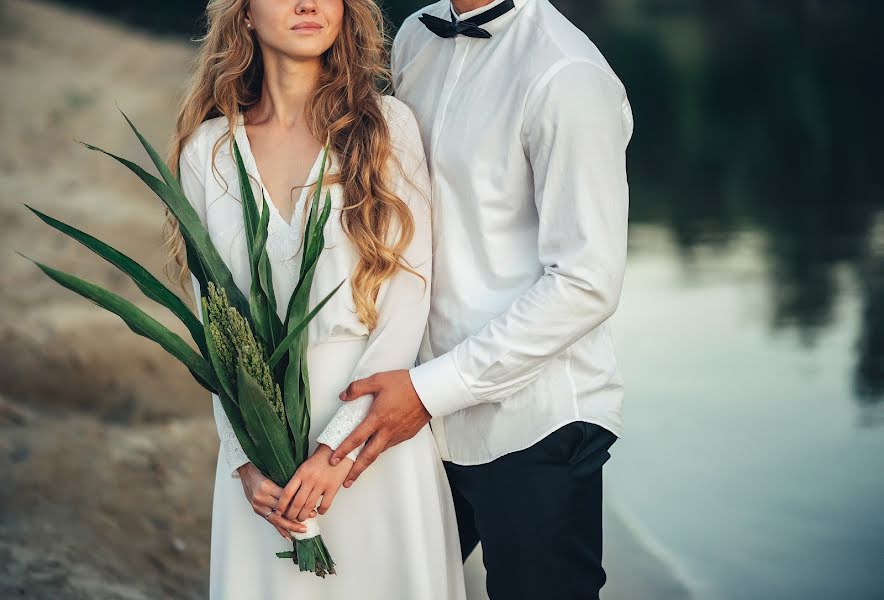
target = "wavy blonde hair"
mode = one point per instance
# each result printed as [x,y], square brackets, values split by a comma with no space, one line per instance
[345,110]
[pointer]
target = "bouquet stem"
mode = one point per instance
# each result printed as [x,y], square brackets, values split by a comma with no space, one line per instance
[310,555]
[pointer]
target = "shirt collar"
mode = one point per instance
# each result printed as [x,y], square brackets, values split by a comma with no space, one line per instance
[498,24]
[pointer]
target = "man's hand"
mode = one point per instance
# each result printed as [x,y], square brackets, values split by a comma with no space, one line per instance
[396,415]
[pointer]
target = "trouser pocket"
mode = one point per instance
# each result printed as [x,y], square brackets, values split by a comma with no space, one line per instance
[593,445]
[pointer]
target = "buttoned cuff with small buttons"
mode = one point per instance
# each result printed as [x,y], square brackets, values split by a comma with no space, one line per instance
[440,387]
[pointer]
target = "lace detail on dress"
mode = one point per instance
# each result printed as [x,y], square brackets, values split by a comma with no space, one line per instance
[284,241]
[344,421]
[230,448]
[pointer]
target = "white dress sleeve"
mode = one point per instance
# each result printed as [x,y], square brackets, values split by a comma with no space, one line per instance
[194,188]
[403,301]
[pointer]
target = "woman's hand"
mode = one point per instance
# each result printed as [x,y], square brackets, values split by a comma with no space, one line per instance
[263,495]
[314,478]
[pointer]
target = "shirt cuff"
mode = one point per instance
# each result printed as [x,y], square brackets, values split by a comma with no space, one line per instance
[439,386]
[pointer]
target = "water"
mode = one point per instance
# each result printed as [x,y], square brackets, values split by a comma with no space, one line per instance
[751,330]
[747,458]
[751,327]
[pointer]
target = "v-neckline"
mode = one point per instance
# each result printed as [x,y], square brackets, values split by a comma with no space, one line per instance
[246,151]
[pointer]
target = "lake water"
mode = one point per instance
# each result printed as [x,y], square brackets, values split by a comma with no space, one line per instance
[748,463]
[751,329]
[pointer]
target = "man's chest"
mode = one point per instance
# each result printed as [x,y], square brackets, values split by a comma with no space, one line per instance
[470,108]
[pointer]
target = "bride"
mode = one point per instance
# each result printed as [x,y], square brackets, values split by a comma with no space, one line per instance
[281,78]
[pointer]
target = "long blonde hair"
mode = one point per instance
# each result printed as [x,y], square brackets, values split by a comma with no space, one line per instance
[345,110]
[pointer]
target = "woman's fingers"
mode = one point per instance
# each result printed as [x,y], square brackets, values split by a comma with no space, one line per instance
[280,521]
[310,505]
[264,496]
[282,525]
[327,500]
[288,493]
[263,492]
[271,489]
[299,501]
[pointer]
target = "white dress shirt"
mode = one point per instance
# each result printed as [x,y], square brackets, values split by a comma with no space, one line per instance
[341,348]
[525,135]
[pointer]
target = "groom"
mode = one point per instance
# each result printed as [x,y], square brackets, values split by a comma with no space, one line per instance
[525,128]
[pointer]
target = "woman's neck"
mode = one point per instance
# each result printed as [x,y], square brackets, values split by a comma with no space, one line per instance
[287,88]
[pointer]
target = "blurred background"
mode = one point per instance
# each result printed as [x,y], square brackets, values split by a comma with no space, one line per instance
[750,331]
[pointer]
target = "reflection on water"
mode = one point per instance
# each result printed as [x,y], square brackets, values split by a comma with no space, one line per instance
[751,330]
[752,326]
[743,459]
[766,119]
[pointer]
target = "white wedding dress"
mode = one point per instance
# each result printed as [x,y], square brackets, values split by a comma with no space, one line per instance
[393,534]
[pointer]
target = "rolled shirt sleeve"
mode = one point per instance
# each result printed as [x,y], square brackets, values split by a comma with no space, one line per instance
[577,125]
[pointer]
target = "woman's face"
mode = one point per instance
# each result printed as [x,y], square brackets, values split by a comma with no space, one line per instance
[301,29]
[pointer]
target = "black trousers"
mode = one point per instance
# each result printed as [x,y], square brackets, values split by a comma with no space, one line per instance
[538,514]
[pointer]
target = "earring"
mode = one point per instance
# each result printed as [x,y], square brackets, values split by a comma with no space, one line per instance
[249,25]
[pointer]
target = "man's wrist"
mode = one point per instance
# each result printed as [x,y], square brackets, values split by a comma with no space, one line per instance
[440,387]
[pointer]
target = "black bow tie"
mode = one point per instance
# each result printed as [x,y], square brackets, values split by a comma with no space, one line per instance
[468,27]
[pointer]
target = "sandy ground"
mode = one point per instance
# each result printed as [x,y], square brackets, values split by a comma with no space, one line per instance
[107,447]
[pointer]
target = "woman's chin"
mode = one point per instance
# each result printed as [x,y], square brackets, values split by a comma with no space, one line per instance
[305,47]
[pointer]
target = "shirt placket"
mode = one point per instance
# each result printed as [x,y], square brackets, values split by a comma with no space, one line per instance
[462,46]
[455,68]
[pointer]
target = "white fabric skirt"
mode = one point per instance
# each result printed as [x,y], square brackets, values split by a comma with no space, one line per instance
[393,534]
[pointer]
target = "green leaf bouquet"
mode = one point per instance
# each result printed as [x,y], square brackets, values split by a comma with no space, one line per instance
[253,360]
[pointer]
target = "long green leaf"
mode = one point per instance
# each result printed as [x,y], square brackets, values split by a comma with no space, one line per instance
[297,399]
[317,240]
[147,283]
[300,298]
[262,301]
[292,336]
[263,274]
[195,235]
[295,383]
[305,398]
[259,304]
[249,207]
[196,268]
[183,208]
[295,299]
[158,162]
[311,217]
[294,405]
[239,429]
[298,301]
[139,322]
[269,433]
